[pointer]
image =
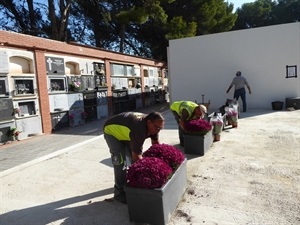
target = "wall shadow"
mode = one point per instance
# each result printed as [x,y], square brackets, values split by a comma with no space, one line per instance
[101,212]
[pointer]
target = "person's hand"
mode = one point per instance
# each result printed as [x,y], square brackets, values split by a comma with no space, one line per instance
[250,92]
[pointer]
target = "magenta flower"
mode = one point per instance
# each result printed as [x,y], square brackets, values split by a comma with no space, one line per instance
[149,173]
[199,126]
[171,155]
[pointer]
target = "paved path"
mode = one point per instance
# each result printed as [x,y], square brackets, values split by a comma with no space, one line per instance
[19,154]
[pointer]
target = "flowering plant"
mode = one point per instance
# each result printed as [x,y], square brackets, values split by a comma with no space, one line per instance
[75,85]
[232,113]
[155,168]
[84,115]
[13,132]
[55,86]
[17,110]
[217,122]
[148,172]
[171,155]
[199,126]
[217,127]
[16,134]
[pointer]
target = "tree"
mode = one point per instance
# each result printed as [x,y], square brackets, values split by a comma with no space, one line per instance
[21,16]
[267,12]
[286,11]
[138,27]
[26,17]
[210,16]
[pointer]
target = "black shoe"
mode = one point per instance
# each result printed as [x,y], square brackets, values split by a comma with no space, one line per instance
[121,198]
[244,110]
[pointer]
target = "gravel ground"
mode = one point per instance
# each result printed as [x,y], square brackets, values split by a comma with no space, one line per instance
[251,177]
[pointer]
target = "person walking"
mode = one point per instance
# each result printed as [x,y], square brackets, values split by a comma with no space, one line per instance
[184,111]
[239,82]
[125,134]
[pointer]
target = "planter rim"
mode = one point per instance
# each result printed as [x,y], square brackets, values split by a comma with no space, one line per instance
[192,134]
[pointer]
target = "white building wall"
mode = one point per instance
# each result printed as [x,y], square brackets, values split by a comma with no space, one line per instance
[207,64]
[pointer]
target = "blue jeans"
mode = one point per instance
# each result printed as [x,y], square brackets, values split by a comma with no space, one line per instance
[241,93]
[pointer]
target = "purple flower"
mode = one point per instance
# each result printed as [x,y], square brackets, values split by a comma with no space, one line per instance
[148,172]
[216,123]
[199,126]
[171,155]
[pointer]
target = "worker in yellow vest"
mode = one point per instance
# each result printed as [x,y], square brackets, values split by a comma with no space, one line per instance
[125,135]
[184,111]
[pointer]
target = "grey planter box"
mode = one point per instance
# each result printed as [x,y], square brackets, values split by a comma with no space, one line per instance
[155,206]
[197,144]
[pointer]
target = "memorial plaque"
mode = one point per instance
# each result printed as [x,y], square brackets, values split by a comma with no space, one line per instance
[59,102]
[55,65]
[6,109]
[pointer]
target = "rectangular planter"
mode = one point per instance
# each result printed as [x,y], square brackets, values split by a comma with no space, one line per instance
[292,103]
[155,206]
[197,144]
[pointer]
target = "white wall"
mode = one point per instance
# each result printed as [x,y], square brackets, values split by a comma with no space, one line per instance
[207,64]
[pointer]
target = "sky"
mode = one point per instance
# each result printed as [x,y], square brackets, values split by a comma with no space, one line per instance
[238,3]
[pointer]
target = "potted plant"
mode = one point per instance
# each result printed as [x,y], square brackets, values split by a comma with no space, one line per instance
[17,112]
[84,115]
[217,123]
[13,133]
[155,184]
[198,137]
[277,105]
[171,155]
[75,86]
[71,119]
[232,116]
[16,135]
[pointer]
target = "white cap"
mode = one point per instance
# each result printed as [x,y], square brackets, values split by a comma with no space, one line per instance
[203,108]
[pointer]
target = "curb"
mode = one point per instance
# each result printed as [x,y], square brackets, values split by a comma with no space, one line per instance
[44,158]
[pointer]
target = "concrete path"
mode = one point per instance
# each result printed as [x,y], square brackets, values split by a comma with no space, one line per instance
[250,177]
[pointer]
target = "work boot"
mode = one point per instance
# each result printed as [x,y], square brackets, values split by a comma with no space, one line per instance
[121,198]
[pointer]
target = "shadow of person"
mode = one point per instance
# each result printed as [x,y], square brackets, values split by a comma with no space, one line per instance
[71,211]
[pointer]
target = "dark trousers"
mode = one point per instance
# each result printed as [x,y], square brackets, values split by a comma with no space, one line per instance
[118,151]
[180,130]
[241,93]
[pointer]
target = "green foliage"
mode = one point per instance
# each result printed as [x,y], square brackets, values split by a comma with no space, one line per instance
[267,12]
[177,28]
[11,132]
[139,27]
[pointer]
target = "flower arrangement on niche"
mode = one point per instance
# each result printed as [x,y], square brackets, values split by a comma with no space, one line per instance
[17,110]
[55,86]
[156,167]
[13,133]
[75,85]
[17,133]
[71,118]
[198,126]
[84,115]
